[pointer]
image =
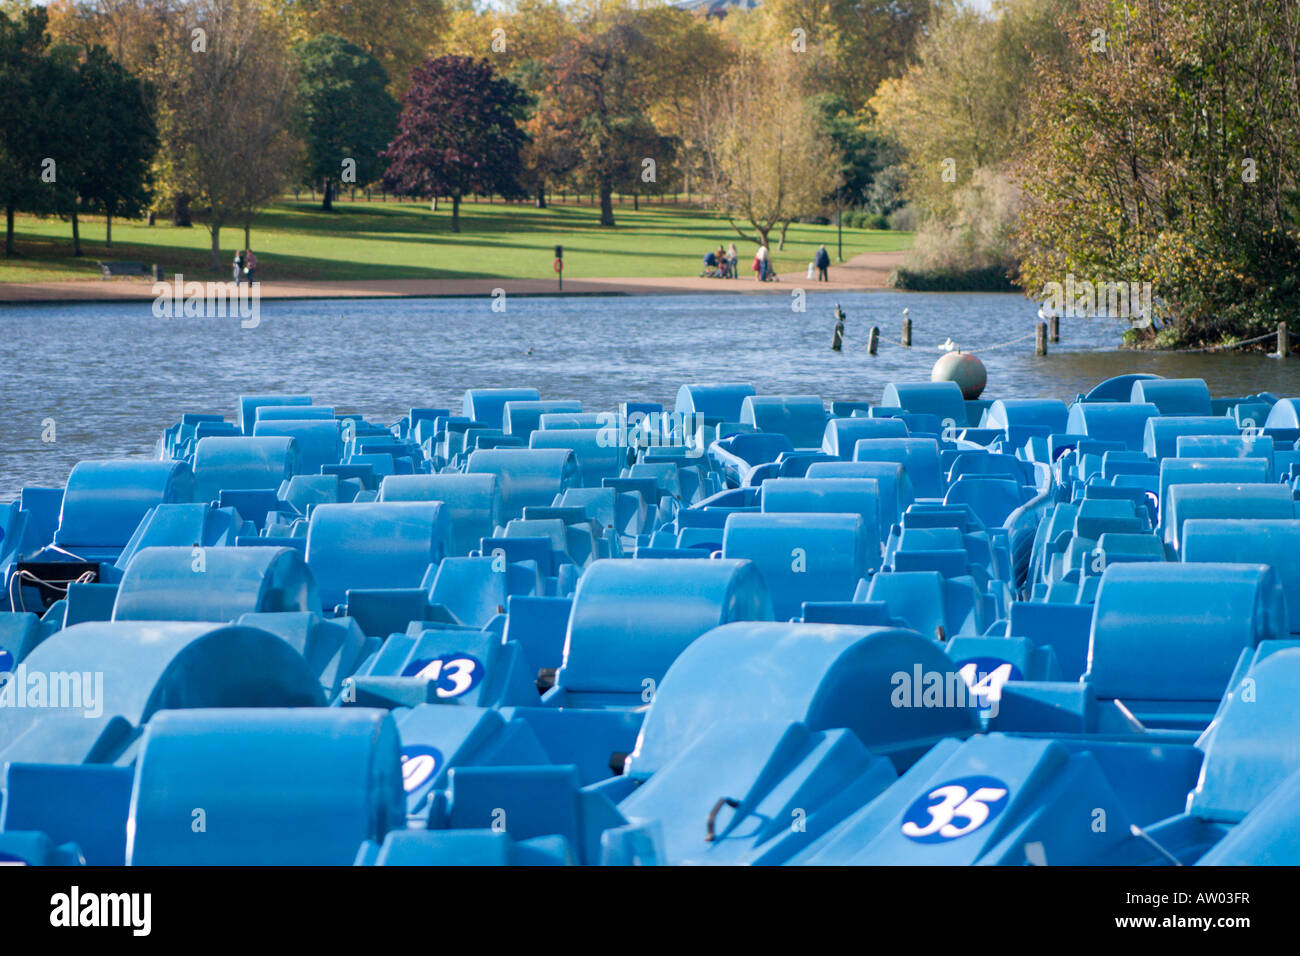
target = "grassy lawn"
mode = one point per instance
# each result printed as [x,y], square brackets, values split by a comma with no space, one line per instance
[403,240]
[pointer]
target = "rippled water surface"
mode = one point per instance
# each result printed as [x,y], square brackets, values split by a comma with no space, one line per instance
[112,376]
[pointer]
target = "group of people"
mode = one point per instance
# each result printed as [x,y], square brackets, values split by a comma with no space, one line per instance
[721,264]
[245,266]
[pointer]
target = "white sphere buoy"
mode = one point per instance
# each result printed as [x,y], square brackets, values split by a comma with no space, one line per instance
[963,368]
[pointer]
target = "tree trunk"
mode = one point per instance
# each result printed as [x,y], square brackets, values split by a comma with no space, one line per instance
[455,212]
[327,196]
[181,210]
[214,260]
[606,204]
[247,242]
[636,202]
[9,232]
[784,226]
[541,197]
[76,235]
[108,232]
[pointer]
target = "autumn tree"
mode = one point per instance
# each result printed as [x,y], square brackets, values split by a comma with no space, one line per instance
[767,159]
[397,33]
[458,134]
[225,109]
[595,104]
[1169,153]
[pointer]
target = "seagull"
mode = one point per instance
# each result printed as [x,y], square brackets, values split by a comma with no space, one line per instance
[948,345]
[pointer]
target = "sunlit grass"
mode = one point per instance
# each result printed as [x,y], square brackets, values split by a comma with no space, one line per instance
[405,240]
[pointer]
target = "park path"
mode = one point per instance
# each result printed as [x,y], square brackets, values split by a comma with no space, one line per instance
[866,271]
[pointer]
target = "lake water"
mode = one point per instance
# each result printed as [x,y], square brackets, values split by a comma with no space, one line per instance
[112,376]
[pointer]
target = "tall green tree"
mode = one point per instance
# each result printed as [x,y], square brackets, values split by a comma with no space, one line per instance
[29,90]
[346,115]
[118,139]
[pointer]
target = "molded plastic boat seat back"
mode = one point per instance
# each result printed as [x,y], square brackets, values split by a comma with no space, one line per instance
[1266,836]
[319,442]
[287,787]
[940,399]
[1011,414]
[1254,743]
[992,499]
[104,501]
[841,434]
[1257,541]
[1171,632]
[486,406]
[800,418]
[1224,501]
[244,463]
[721,401]
[1160,439]
[519,419]
[1206,471]
[1112,421]
[387,544]
[1227,446]
[802,557]
[600,453]
[920,456]
[1173,396]
[860,496]
[895,488]
[631,619]
[147,666]
[526,476]
[249,404]
[822,675]
[473,503]
[271,413]
[213,584]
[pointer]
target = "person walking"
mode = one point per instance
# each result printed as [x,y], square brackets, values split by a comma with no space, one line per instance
[764,266]
[239,266]
[733,260]
[250,266]
[823,262]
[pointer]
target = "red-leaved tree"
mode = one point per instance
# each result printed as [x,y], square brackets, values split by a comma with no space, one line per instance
[458,134]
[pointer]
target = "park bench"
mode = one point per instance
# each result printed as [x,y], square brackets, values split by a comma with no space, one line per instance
[110,269]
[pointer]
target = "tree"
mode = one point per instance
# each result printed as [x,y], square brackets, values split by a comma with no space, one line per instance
[226,102]
[767,161]
[857,43]
[1172,156]
[27,95]
[595,105]
[117,137]
[397,33]
[345,112]
[458,134]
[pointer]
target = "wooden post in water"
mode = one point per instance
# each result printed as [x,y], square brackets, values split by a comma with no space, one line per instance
[907,332]
[1054,328]
[1283,341]
[873,340]
[1040,339]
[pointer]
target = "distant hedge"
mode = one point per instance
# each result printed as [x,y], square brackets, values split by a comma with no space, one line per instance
[992,279]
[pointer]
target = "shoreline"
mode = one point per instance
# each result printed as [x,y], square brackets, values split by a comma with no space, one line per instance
[866,272]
